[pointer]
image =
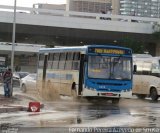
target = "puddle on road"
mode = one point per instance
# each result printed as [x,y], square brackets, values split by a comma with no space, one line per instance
[129,113]
[68,114]
[146,112]
[83,113]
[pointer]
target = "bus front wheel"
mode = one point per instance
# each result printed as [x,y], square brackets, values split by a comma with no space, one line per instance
[153,94]
[74,91]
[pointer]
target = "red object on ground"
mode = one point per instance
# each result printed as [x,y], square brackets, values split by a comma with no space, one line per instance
[34,107]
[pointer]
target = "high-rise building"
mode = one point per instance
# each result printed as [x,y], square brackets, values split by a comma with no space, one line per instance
[93,6]
[49,6]
[142,8]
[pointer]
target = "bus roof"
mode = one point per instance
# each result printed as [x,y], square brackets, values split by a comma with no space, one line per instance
[75,48]
[62,49]
[149,59]
[142,55]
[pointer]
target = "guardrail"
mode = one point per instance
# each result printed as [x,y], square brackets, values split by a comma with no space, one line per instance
[21,47]
[24,44]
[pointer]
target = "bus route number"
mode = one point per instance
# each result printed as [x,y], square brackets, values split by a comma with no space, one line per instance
[109,51]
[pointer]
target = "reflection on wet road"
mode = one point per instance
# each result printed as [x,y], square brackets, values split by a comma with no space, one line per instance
[66,113]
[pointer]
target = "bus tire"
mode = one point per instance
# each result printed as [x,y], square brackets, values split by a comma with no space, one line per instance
[115,100]
[153,94]
[74,91]
[141,96]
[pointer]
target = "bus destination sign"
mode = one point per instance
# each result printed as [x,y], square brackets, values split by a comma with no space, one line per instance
[108,51]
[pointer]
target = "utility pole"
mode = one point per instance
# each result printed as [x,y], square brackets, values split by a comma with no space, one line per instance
[13,43]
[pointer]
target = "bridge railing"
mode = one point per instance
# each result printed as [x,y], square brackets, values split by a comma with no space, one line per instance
[98,16]
[21,47]
[23,44]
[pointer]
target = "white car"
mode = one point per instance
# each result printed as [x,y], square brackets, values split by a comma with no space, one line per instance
[17,76]
[28,83]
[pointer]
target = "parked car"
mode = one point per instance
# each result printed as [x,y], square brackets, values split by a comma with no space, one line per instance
[28,82]
[17,76]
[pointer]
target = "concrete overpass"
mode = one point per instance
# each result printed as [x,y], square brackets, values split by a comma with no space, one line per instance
[54,27]
[20,48]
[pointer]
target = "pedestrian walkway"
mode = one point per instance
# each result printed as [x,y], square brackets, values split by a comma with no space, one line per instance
[9,104]
[18,102]
[6,100]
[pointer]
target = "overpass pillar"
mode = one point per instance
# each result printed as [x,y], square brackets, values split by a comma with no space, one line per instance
[157,49]
[67,5]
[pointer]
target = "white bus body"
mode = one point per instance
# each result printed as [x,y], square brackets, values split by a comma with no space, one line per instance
[146,81]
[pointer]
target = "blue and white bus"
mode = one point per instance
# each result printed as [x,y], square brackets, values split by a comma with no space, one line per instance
[92,71]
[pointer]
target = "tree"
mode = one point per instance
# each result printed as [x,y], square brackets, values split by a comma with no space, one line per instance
[136,45]
[156,33]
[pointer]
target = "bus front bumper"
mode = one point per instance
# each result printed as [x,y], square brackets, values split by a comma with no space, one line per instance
[94,93]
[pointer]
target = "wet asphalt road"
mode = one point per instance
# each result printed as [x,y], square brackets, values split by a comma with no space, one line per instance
[68,113]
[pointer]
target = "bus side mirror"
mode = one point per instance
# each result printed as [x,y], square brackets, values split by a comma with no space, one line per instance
[135,68]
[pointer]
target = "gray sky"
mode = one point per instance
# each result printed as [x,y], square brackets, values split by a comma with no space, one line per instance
[29,3]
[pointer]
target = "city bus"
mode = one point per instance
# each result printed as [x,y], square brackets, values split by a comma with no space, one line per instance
[146,80]
[94,71]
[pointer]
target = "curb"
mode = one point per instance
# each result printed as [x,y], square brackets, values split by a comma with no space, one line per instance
[8,106]
[14,108]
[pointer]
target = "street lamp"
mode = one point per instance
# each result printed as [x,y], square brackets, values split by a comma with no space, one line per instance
[13,43]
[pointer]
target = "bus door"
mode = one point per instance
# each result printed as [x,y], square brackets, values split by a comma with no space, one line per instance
[44,73]
[41,73]
[145,82]
[136,79]
[81,73]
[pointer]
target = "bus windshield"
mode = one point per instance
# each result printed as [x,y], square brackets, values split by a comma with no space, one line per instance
[106,67]
[155,68]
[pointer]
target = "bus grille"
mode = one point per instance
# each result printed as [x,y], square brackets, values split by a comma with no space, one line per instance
[114,84]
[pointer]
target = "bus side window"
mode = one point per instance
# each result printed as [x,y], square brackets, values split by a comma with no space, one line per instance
[146,68]
[69,60]
[76,60]
[62,61]
[55,60]
[50,61]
